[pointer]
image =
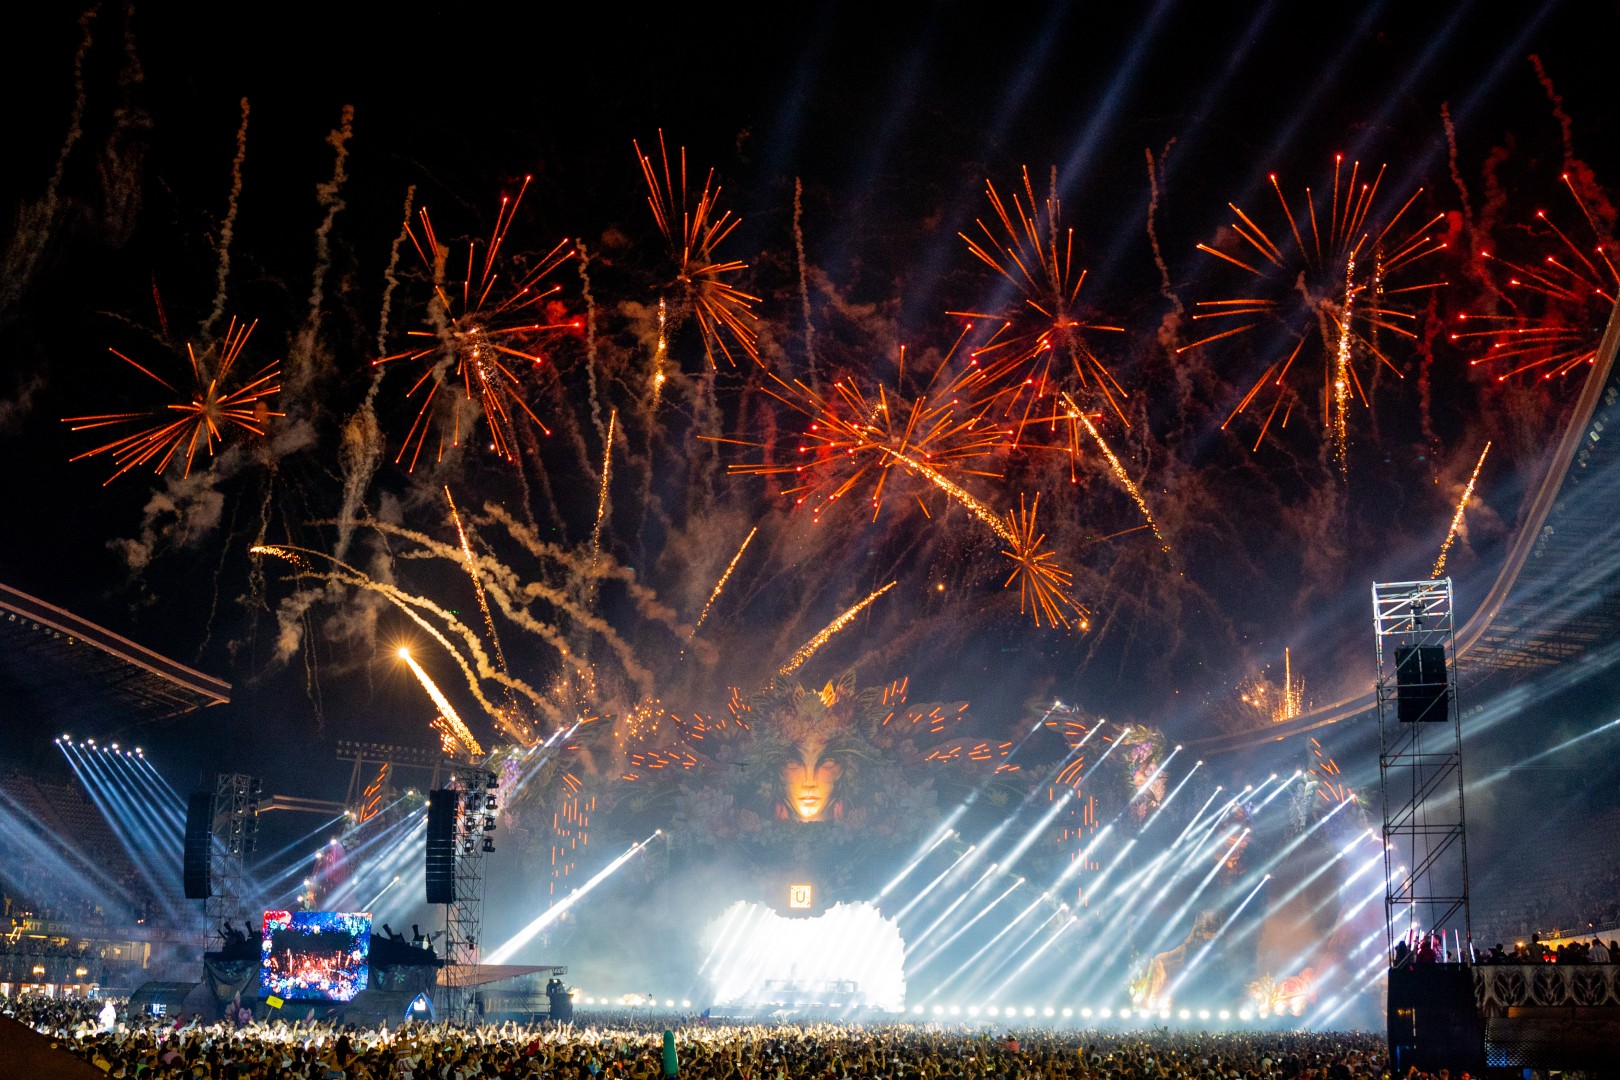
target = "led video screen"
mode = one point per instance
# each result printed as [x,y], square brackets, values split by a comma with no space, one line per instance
[315,955]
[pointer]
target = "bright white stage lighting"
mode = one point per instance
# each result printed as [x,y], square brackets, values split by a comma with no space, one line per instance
[973,1010]
[994,1010]
[1105,1012]
[761,958]
[1086,1012]
[1068,1013]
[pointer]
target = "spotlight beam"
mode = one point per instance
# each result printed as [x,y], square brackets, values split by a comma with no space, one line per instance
[551,915]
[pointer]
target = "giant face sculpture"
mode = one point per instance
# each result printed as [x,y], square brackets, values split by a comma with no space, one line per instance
[810,780]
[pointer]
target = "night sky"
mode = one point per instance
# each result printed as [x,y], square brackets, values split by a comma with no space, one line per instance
[892,123]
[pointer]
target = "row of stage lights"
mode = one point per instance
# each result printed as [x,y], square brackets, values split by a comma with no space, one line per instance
[90,744]
[992,1012]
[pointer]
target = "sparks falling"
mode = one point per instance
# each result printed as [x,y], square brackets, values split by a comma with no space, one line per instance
[1291,700]
[809,648]
[1457,518]
[208,411]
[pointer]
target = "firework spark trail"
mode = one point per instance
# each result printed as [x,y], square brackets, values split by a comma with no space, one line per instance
[602,494]
[1457,518]
[207,410]
[227,228]
[1338,410]
[725,577]
[478,582]
[1566,125]
[809,648]
[390,282]
[462,733]
[1291,702]
[804,281]
[1118,470]
[660,357]
[408,604]
[693,232]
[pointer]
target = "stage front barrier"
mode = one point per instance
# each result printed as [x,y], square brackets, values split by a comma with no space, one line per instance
[1504,1016]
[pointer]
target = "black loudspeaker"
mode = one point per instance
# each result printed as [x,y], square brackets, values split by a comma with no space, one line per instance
[1421,693]
[199,845]
[441,846]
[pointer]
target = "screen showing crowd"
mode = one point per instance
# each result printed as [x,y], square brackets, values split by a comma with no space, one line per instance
[315,955]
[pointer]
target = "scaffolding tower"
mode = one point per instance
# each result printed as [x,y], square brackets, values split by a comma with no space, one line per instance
[235,835]
[1420,762]
[464,916]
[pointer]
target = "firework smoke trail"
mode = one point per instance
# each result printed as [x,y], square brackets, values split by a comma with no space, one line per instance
[462,733]
[590,333]
[407,603]
[804,281]
[227,228]
[809,648]
[1565,124]
[1457,518]
[1118,469]
[33,229]
[1165,288]
[725,577]
[390,282]
[478,582]
[511,594]
[330,197]
[1456,171]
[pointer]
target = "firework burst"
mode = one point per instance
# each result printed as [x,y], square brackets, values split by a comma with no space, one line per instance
[1457,517]
[207,411]
[1032,250]
[480,338]
[724,313]
[1557,309]
[1341,271]
[1043,585]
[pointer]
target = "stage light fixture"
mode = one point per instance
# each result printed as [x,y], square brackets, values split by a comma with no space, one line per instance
[489,844]
[492,782]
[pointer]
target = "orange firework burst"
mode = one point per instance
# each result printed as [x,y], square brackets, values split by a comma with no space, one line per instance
[475,339]
[1557,309]
[857,436]
[1034,252]
[722,310]
[209,409]
[1043,586]
[1337,274]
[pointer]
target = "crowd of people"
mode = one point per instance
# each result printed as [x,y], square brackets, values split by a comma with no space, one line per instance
[626,1048]
[1536,951]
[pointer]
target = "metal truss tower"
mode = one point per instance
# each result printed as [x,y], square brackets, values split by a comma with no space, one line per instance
[235,835]
[1420,761]
[464,916]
